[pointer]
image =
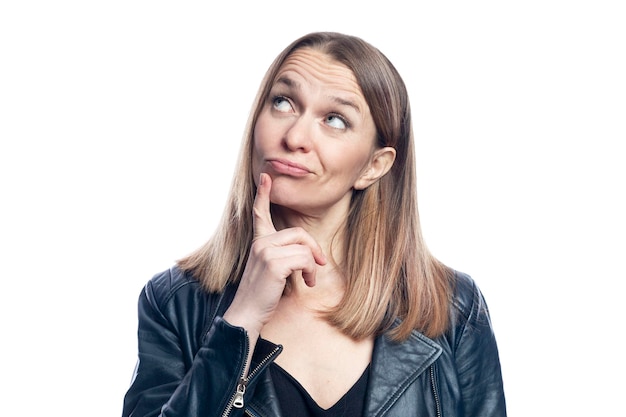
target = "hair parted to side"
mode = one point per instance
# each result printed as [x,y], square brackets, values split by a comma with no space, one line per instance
[389,271]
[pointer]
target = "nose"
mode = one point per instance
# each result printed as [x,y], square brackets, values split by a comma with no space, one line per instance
[298,137]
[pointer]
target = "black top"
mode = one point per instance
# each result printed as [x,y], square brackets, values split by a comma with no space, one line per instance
[295,400]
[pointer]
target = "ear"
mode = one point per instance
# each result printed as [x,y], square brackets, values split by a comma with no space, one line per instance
[380,163]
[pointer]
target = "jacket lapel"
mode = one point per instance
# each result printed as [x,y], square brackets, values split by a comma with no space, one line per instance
[394,367]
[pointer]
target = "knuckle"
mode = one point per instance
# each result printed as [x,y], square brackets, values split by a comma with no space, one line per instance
[257,249]
[257,213]
[299,230]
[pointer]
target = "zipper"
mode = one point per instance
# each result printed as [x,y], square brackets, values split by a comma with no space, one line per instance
[434,388]
[236,400]
[239,392]
[263,362]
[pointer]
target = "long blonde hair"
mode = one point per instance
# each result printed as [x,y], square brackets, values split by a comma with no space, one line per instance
[389,271]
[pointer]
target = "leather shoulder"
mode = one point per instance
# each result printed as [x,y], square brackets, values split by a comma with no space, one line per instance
[469,311]
[177,293]
[465,292]
[164,285]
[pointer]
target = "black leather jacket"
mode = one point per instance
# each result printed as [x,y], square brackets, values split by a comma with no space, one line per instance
[191,361]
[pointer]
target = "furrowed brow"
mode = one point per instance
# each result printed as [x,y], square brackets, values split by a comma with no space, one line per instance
[344,102]
[288,82]
[292,84]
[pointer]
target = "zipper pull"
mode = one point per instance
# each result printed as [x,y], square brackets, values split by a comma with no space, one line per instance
[241,390]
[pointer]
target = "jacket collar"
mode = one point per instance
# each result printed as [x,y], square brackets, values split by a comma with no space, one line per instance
[395,365]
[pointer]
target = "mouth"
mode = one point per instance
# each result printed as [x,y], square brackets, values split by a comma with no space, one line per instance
[283,166]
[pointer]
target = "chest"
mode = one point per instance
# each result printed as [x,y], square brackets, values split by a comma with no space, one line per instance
[324,361]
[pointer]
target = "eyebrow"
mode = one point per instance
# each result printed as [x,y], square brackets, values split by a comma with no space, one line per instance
[288,82]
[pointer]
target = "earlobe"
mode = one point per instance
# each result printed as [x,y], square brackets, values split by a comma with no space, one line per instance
[381,162]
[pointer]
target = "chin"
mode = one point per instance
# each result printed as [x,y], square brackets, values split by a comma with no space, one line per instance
[285,198]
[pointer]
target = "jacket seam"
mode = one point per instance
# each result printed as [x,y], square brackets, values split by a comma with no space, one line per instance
[169,294]
[467,315]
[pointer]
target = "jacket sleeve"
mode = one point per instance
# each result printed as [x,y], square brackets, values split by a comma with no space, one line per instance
[478,363]
[170,382]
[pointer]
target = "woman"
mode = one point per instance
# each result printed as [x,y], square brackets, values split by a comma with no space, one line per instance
[316,295]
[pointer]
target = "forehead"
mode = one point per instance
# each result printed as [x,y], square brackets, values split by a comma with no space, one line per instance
[315,67]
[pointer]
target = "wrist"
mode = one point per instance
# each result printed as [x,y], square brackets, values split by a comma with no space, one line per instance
[251,326]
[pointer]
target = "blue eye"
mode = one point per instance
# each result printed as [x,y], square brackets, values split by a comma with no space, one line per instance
[281,104]
[336,122]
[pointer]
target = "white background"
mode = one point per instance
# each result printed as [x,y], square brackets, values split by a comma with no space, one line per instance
[120,122]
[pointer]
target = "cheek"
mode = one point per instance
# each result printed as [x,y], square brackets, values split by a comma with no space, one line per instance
[255,153]
[261,133]
[260,144]
[348,163]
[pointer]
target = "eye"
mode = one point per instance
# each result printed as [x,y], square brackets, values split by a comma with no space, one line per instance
[336,122]
[281,104]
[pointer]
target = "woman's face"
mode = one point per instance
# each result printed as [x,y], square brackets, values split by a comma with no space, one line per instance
[315,135]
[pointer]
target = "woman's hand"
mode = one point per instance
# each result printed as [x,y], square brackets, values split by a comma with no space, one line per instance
[274,256]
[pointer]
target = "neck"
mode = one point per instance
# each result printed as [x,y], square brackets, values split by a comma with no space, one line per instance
[328,231]
[327,292]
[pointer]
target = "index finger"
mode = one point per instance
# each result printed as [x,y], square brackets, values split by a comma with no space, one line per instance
[261,216]
[263,225]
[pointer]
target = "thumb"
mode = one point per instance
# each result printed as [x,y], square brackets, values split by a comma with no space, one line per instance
[261,217]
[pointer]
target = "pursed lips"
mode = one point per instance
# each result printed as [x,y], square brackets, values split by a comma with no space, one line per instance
[283,166]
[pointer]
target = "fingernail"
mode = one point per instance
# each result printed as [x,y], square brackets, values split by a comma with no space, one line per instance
[261,179]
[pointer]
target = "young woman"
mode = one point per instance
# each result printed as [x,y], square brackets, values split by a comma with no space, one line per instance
[317,296]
